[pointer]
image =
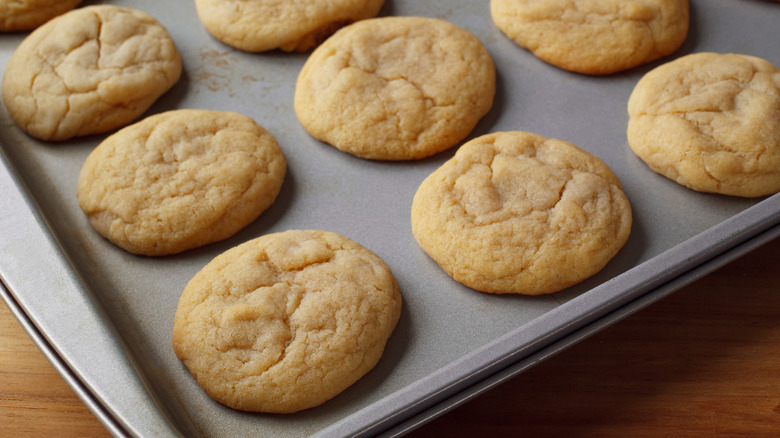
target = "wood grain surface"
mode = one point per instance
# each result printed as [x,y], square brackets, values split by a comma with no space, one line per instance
[702,362]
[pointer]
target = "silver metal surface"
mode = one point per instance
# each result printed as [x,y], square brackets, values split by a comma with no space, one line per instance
[107,315]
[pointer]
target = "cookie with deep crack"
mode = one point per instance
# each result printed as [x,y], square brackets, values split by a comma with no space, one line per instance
[286,321]
[594,36]
[515,212]
[395,88]
[20,15]
[293,26]
[179,180]
[710,122]
[89,71]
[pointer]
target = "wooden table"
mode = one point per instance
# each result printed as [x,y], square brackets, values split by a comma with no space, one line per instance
[704,361]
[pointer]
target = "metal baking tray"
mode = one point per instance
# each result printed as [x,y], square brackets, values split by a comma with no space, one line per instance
[104,317]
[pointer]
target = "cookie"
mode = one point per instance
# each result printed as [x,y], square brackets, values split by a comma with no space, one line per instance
[286,321]
[293,26]
[179,180]
[594,36]
[395,88]
[19,15]
[515,212]
[710,122]
[89,71]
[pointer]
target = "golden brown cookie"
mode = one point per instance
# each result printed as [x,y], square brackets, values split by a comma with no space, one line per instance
[710,122]
[299,26]
[180,179]
[286,321]
[19,15]
[89,71]
[515,212]
[395,88]
[594,36]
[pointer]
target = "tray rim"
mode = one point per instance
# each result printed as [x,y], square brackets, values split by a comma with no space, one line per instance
[24,212]
[584,333]
[60,365]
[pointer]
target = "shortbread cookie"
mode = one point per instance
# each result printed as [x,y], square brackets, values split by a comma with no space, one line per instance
[19,15]
[515,212]
[594,36]
[299,26]
[395,88]
[89,71]
[710,122]
[180,179]
[286,321]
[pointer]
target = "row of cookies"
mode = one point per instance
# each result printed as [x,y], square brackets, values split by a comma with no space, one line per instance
[513,234]
[278,324]
[518,202]
[163,185]
[514,212]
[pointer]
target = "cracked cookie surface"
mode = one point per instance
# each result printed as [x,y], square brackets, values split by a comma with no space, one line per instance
[19,15]
[179,180]
[515,212]
[89,71]
[594,36]
[293,26]
[710,122]
[286,321]
[395,88]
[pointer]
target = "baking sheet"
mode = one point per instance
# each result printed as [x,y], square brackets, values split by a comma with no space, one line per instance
[108,314]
